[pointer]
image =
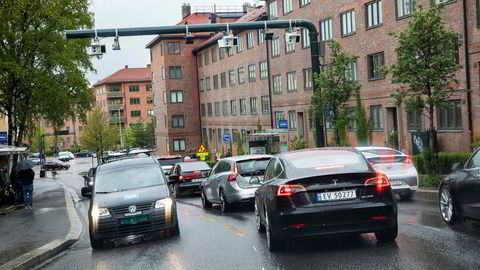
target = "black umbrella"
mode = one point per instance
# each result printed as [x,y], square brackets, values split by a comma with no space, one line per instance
[24,165]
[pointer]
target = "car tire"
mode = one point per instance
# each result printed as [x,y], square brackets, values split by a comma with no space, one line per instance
[175,231]
[258,220]
[387,235]
[274,243]
[176,191]
[205,203]
[95,243]
[447,208]
[224,205]
[407,195]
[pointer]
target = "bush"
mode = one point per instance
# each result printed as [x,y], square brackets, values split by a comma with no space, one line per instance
[298,143]
[430,181]
[428,164]
[476,142]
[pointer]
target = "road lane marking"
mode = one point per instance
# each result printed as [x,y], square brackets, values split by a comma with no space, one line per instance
[207,218]
[235,230]
[426,227]
[255,249]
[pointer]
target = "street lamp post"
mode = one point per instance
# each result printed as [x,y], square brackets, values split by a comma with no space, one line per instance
[215,27]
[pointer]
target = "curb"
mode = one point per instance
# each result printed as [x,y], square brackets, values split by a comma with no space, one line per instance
[10,209]
[427,194]
[36,256]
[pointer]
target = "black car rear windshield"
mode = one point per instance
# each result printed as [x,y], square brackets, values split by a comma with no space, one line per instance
[194,166]
[252,167]
[128,178]
[170,161]
[325,159]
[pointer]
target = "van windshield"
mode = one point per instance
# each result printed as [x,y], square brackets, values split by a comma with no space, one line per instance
[128,178]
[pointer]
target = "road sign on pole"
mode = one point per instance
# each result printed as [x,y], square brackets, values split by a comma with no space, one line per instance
[227,138]
[202,152]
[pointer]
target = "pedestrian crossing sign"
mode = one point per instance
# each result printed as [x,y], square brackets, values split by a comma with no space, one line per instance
[202,152]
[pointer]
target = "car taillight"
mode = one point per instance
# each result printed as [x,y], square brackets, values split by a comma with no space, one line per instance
[180,178]
[288,190]
[233,176]
[381,182]
[407,161]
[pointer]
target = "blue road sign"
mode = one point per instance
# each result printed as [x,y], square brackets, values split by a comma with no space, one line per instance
[227,138]
[3,137]
[283,124]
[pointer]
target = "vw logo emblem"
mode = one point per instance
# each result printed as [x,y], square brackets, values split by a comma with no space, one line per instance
[335,181]
[132,209]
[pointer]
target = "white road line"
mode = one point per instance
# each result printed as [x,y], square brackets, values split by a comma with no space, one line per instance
[255,249]
[426,227]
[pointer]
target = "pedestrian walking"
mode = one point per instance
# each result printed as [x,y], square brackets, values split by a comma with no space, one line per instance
[27,176]
[17,187]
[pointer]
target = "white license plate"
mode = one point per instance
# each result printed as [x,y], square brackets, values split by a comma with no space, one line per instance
[198,180]
[395,183]
[337,195]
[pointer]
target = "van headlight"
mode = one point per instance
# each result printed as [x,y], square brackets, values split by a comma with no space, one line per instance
[100,212]
[164,203]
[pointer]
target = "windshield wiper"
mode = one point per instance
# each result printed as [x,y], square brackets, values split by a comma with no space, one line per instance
[103,192]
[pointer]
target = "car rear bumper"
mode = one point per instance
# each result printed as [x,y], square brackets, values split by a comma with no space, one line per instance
[403,183]
[190,186]
[343,219]
[236,194]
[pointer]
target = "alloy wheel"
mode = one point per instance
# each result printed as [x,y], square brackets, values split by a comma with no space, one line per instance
[267,226]
[257,218]
[446,205]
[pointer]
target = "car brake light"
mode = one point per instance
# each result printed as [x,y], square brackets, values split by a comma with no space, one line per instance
[233,177]
[288,190]
[381,182]
[180,178]
[407,161]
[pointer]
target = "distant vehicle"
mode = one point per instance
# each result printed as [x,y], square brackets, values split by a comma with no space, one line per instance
[459,196]
[234,180]
[55,165]
[397,166]
[35,157]
[188,176]
[324,191]
[65,156]
[129,198]
[167,162]
[83,153]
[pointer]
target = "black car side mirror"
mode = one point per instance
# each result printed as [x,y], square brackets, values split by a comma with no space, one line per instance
[455,167]
[87,192]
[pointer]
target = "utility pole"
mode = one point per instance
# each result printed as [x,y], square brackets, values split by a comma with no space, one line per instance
[217,27]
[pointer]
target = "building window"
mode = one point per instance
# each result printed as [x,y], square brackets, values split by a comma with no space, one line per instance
[202,110]
[376,116]
[438,2]
[277,84]
[221,53]
[405,7]
[175,72]
[176,96]
[151,113]
[209,110]
[179,145]
[252,74]
[215,81]
[263,70]
[275,47]
[351,124]
[375,63]
[231,77]
[134,101]
[287,6]
[307,79]
[261,36]
[206,58]
[217,109]
[214,54]
[253,105]
[265,104]
[173,48]
[348,23]
[229,51]
[304,2]
[150,100]
[326,29]
[234,135]
[305,38]
[351,71]
[204,135]
[243,106]
[233,107]
[240,46]
[450,117]
[249,40]
[201,83]
[208,84]
[225,108]
[289,47]
[241,75]
[149,88]
[134,88]
[223,80]
[292,119]
[279,116]
[272,10]
[414,120]
[374,12]
[292,81]
[135,113]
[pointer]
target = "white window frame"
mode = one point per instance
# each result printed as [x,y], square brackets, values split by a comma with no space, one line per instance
[178,94]
[292,81]
[276,47]
[272,10]
[405,7]
[287,6]
[326,29]
[374,15]
[179,145]
[305,38]
[277,84]
[348,22]
[249,40]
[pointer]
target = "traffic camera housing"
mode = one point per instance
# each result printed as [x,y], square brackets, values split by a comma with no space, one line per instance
[97,50]
[228,41]
[292,37]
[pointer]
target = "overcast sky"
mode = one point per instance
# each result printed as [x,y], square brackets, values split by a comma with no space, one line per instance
[138,13]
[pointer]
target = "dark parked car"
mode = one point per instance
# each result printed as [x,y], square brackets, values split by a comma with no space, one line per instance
[167,162]
[129,199]
[82,154]
[188,176]
[55,165]
[459,194]
[324,191]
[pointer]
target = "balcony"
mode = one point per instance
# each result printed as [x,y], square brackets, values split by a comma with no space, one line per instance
[116,107]
[116,120]
[117,94]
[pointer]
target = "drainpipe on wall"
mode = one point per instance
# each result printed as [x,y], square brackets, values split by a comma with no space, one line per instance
[269,84]
[467,71]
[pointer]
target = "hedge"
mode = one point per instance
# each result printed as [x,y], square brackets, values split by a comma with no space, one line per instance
[444,163]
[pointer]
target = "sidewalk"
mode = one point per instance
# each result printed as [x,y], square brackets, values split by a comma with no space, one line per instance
[22,231]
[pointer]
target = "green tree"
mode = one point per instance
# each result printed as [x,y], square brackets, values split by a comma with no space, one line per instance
[128,139]
[98,134]
[363,127]
[427,62]
[144,134]
[37,140]
[240,150]
[42,75]
[335,87]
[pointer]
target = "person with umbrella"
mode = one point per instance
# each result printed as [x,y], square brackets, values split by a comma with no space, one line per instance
[26,176]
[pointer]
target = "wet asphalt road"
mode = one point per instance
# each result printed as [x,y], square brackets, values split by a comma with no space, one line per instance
[212,240]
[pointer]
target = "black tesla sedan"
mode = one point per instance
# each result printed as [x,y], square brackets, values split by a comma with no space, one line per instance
[129,199]
[324,191]
[459,194]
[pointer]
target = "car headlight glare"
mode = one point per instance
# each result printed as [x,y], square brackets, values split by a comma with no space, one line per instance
[100,212]
[164,203]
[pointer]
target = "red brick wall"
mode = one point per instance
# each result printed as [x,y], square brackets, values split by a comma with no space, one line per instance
[143,107]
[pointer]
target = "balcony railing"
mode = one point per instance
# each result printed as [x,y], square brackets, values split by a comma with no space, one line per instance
[114,107]
[114,94]
[116,119]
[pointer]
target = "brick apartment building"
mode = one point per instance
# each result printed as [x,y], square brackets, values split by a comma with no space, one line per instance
[229,91]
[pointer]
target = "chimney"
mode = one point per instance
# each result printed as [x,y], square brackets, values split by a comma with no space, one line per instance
[126,66]
[247,8]
[213,18]
[186,10]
